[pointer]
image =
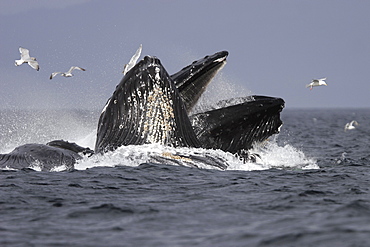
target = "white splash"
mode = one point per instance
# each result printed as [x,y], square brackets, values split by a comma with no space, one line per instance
[213,95]
[271,156]
[282,157]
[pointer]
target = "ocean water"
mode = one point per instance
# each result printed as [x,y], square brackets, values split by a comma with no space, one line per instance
[310,187]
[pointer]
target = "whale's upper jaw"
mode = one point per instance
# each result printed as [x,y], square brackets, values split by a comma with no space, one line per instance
[146,107]
[194,78]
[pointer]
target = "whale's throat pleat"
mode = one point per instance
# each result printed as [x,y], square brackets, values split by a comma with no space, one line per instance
[145,108]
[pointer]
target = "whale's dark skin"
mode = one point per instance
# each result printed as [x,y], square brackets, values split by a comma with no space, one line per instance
[150,106]
[46,157]
[193,80]
[236,128]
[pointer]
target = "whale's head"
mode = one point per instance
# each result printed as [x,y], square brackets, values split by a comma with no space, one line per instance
[146,107]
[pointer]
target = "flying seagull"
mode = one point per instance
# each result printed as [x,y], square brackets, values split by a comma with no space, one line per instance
[133,60]
[317,82]
[66,74]
[25,58]
[350,126]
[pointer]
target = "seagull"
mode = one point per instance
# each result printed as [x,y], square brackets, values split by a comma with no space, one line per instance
[317,82]
[133,60]
[25,58]
[350,126]
[66,74]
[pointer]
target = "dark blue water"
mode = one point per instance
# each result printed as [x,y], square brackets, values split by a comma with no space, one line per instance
[271,203]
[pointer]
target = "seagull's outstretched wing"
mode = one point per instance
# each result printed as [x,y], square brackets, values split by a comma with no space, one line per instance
[54,74]
[34,64]
[133,60]
[25,53]
[75,67]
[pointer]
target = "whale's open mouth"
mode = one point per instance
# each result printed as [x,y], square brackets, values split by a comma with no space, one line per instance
[149,106]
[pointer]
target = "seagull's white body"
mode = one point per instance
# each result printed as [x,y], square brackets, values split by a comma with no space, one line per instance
[350,126]
[133,60]
[66,74]
[25,58]
[316,83]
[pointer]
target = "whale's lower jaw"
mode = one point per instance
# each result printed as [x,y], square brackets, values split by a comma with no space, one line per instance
[238,127]
[146,107]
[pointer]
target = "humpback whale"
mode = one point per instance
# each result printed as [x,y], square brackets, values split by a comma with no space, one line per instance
[150,106]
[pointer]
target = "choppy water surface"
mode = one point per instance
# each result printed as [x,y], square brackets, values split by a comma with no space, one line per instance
[310,188]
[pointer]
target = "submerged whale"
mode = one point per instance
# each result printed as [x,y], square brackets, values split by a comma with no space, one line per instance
[150,106]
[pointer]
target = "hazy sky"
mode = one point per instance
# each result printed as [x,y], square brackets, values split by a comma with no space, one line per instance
[275,47]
